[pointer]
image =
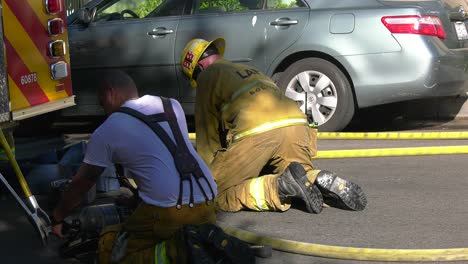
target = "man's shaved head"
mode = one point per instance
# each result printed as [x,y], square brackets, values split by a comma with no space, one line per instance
[119,80]
[115,87]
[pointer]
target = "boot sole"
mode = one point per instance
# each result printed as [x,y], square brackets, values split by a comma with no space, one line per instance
[309,191]
[338,192]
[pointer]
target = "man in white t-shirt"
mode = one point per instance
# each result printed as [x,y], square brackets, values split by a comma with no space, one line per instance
[148,137]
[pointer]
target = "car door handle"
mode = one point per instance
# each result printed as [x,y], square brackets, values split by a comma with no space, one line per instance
[160,32]
[283,22]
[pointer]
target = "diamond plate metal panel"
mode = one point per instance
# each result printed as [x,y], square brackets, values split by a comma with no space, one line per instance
[4,95]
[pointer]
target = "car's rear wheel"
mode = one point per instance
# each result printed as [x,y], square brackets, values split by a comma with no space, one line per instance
[322,91]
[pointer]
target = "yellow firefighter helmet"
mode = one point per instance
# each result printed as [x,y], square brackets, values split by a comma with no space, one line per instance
[193,52]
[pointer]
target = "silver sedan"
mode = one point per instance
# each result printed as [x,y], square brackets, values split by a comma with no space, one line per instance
[331,56]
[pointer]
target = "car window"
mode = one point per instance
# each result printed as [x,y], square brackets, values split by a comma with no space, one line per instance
[219,6]
[280,4]
[136,9]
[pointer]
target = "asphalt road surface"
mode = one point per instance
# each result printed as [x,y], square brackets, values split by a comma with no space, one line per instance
[416,202]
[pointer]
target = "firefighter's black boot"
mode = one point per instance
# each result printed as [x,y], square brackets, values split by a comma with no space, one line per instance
[340,193]
[209,244]
[294,183]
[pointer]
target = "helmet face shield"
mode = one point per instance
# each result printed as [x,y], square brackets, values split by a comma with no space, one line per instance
[192,54]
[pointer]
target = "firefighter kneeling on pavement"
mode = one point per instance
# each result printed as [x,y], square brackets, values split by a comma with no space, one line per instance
[257,141]
[148,137]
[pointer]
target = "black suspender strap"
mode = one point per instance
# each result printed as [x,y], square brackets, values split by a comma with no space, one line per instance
[186,160]
[153,125]
[185,163]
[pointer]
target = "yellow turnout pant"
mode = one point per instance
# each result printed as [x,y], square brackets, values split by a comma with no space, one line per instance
[246,172]
[148,226]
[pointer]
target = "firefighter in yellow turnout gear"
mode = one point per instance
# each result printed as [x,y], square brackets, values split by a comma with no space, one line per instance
[256,140]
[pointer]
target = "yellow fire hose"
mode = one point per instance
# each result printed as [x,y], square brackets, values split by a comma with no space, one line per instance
[350,253]
[391,152]
[367,254]
[393,135]
[385,135]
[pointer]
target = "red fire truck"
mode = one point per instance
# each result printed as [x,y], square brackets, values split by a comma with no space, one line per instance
[34,62]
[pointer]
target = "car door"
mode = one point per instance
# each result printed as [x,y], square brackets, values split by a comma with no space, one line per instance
[210,19]
[285,23]
[136,36]
[245,25]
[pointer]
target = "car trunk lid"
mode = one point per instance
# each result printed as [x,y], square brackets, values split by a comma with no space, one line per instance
[452,13]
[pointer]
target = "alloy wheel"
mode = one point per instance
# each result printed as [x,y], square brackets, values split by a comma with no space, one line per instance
[315,94]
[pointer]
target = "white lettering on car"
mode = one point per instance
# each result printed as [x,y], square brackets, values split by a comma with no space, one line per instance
[28,78]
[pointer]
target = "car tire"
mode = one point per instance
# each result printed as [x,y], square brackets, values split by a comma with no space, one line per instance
[332,107]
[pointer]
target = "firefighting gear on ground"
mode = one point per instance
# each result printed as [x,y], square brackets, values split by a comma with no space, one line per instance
[204,243]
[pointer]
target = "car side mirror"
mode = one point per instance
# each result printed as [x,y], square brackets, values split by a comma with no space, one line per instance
[86,16]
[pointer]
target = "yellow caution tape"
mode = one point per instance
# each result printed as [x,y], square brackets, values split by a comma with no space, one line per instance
[391,152]
[385,135]
[349,253]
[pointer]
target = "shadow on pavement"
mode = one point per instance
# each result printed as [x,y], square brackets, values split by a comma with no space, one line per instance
[409,115]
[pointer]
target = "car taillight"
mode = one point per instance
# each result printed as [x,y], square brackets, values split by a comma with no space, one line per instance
[424,25]
[55,26]
[53,6]
[57,48]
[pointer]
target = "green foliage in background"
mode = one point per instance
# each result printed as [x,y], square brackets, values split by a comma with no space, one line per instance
[282,3]
[234,5]
[143,7]
[230,5]
[147,7]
